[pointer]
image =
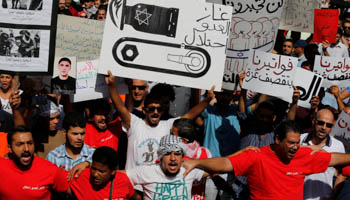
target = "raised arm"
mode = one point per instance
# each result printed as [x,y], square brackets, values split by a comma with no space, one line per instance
[198,109]
[117,102]
[15,101]
[293,106]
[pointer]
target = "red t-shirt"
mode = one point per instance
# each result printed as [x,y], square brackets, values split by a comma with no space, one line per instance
[32,184]
[269,178]
[122,187]
[110,137]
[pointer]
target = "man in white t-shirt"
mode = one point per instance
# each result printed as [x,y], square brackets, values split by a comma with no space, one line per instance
[166,180]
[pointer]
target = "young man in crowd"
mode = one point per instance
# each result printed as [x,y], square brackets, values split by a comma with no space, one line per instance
[6,82]
[26,176]
[283,165]
[74,151]
[138,90]
[101,180]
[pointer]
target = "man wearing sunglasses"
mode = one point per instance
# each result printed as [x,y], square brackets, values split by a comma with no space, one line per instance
[321,185]
[137,91]
[144,134]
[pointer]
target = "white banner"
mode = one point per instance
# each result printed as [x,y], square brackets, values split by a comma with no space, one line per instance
[254,26]
[178,42]
[298,15]
[335,70]
[341,130]
[270,74]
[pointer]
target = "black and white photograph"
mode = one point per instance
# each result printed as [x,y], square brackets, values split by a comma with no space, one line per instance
[23,4]
[29,12]
[19,43]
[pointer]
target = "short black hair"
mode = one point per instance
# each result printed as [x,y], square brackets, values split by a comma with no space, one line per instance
[267,105]
[12,74]
[65,59]
[17,129]
[164,90]
[73,119]
[288,40]
[152,98]
[285,127]
[185,128]
[99,106]
[106,156]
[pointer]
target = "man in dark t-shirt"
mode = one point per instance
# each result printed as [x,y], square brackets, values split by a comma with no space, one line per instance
[63,83]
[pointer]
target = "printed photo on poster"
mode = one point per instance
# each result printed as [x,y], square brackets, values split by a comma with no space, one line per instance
[24,50]
[30,12]
[64,76]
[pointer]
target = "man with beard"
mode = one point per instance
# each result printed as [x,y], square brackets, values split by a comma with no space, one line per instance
[101,180]
[287,48]
[276,171]
[74,151]
[165,180]
[99,130]
[26,176]
[321,185]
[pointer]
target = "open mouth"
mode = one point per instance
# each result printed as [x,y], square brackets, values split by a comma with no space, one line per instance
[26,157]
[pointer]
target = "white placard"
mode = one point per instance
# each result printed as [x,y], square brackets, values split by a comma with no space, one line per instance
[178,42]
[254,26]
[341,130]
[270,74]
[298,15]
[30,12]
[335,70]
[308,83]
[91,85]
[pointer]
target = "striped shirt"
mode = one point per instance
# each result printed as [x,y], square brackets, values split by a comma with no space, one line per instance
[59,156]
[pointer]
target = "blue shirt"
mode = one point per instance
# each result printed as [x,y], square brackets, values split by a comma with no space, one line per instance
[59,156]
[221,132]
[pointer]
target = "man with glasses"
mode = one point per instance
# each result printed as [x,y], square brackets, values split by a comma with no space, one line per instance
[144,134]
[346,27]
[321,185]
[137,91]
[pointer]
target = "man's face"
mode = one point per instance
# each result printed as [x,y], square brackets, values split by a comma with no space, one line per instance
[89,4]
[171,163]
[153,113]
[298,51]
[62,4]
[337,37]
[100,174]
[287,48]
[265,119]
[68,3]
[75,137]
[100,121]
[6,81]
[289,145]
[22,148]
[64,67]
[323,124]
[138,90]
[53,121]
[101,15]
[97,3]
[346,28]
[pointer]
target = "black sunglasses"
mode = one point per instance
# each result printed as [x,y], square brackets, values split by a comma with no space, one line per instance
[154,108]
[141,87]
[346,27]
[321,123]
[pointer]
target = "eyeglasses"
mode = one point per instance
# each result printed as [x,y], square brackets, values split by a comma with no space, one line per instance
[321,123]
[346,27]
[140,87]
[154,108]
[52,118]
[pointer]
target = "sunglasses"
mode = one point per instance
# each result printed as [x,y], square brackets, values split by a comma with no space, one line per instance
[141,87]
[321,123]
[346,27]
[52,118]
[154,108]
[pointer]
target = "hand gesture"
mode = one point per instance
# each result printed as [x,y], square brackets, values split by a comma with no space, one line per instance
[15,100]
[110,79]
[296,95]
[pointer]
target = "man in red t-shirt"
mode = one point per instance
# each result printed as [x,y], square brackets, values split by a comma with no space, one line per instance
[25,176]
[95,182]
[276,171]
[99,131]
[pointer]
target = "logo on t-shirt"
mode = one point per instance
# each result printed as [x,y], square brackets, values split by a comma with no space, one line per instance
[294,173]
[147,148]
[34,187]
[172,190]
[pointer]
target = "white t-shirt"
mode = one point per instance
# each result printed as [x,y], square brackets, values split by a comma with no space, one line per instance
[5,103]
[157,186]
[143,141]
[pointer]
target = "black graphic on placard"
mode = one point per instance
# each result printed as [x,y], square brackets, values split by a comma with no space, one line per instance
[194,62]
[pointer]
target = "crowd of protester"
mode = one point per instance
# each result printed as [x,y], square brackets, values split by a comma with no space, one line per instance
[164,141]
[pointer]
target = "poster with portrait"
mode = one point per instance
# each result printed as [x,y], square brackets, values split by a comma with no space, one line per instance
[326,25]
[27,35]
[178,42]
[64,75]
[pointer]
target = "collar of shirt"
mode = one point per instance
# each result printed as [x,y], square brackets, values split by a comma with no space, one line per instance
[63,153]
[308,140]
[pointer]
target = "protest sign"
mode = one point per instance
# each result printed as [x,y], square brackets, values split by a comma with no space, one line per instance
[309,85]
[326,25]
[270,74]
[64,75]
[254,26]
[177,42]
[27,35]
[91,85]
[341,130]
[299,15]
[79,37]
[335,70]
